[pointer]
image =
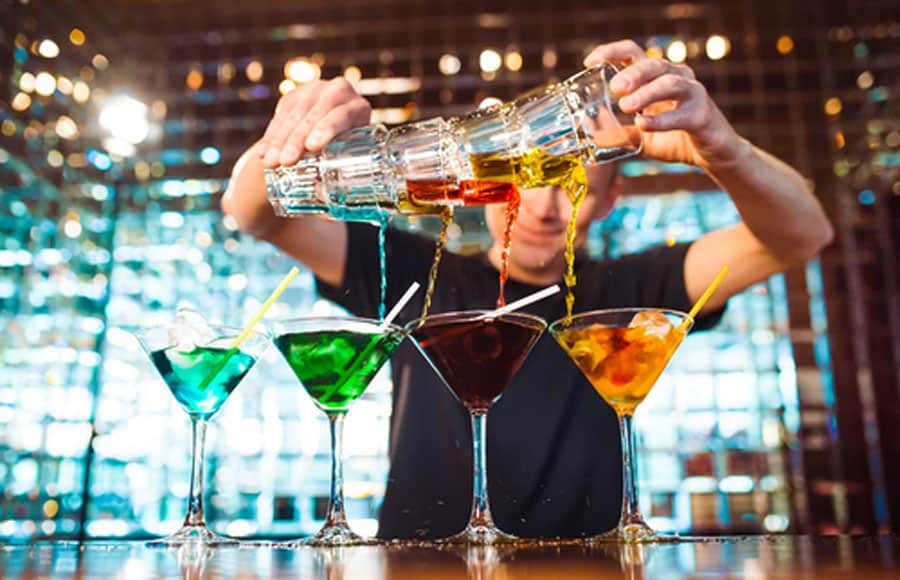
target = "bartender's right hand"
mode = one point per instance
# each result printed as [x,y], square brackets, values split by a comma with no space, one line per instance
[310,116]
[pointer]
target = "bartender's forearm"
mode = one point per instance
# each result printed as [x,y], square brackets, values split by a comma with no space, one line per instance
[775,203]
[246,200]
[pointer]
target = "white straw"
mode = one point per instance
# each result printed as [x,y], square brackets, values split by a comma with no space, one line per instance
[413,288]
[539,295]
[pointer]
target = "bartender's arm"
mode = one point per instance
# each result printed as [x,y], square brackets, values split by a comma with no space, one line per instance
[782,223]
[305,120]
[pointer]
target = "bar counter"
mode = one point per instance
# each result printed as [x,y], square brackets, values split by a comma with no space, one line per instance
[721,557]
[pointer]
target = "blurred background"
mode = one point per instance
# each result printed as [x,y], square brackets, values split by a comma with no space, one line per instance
[121,119]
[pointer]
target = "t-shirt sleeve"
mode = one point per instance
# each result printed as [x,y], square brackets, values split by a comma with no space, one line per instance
[408,259]
[656,278]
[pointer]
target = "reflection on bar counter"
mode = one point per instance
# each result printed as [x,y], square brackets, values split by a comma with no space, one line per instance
[711,441]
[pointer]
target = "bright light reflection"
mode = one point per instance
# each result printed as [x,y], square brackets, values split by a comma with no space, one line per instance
[109,528]
[210,155]
[489,102]
[490,60]
[81,92]
[449,64]
[66,127]
[286,86]
[125,118]
[254,71]
[388,86]
[100,62]
[21,102]
[72,229]
[677,52]
[48,48]
[45,84]
[514,60]
[241,528]
[64,85]
[171,219]
[302,70]
[76,37]
[26,82]
[119,147]
[353,74]
[717,47]
[775,523]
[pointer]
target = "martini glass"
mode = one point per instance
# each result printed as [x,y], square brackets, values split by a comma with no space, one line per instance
[335,359]
[476,354]
[201,377]
[622,352]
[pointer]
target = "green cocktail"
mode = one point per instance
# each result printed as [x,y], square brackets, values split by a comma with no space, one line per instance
[336,367]
[186,372]
[201,373]
[335,359]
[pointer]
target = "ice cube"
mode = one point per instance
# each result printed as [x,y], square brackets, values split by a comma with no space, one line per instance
[190,330]
[652,323]
[619,368]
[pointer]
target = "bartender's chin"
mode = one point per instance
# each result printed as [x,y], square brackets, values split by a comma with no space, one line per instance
[540,269]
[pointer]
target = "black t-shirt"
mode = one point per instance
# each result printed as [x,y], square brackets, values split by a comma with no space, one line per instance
[553,453]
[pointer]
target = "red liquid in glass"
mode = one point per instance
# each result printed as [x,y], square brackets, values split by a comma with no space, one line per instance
[477,358]
[469,192]
[423,192]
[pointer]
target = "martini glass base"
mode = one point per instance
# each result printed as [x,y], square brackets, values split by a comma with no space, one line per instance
[634,533]
[480,536]
[336,535]
[193,535]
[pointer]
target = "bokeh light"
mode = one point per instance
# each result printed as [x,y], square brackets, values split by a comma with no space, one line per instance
[210,155]
[489,60]
[45,84]
[449,64]
[513,60]
[76,36]
[717,47]
[302,70]
[677,51]
[784,44]
[254,71]
[48,49]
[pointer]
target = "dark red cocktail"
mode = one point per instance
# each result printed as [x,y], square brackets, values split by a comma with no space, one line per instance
[476,354]
[477,357]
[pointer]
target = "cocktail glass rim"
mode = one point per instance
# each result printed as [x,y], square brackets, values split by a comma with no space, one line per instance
[472,315]
[569,322]
[279,322]
[232,332]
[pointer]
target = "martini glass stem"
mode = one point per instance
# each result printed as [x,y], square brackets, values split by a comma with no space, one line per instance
[198,453]
[631,513]
[481,510]
[336,516]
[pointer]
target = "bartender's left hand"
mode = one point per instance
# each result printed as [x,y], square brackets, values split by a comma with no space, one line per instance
[678,119]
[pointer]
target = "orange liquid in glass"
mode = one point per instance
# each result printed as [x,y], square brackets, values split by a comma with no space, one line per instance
[623,363]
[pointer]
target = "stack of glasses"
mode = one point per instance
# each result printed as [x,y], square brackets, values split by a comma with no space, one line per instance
[536,140]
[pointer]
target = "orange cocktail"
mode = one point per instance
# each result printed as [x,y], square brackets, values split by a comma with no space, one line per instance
[623,362]
[622,352]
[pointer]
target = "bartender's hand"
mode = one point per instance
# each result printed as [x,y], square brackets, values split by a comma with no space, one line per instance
[308,117]
[678,119]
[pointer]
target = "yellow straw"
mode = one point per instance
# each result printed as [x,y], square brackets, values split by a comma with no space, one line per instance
[701,302]
[249,327]
[266,305]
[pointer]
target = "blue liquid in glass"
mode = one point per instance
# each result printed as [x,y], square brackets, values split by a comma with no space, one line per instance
[186,372]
